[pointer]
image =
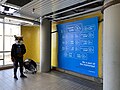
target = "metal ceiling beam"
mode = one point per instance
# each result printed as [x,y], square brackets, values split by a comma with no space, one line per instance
[77,14]
[66,8]
[19,18]
[96,1]
[45,7]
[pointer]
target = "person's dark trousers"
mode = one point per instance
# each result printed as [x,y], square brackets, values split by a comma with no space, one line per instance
[16,61]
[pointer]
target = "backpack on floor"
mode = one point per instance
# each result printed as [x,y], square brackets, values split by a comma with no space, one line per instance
[30,66]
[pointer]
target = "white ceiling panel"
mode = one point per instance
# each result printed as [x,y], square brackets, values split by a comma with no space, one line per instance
[43,7]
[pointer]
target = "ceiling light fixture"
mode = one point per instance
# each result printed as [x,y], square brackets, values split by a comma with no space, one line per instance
[11,6]
[33,11]
[18,21]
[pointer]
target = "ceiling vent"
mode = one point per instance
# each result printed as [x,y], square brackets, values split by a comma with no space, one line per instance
[2,1]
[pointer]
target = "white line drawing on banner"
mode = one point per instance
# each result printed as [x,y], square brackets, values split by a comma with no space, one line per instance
[89,27]
[81,56]
[78,27]
[91,35]
[87,49]
[84,56]
[74,27]
[87,35]
[72,48]
[76,48]
[76,35]
[77,42]
[72,42]
[86,42]
[91,49]
[70,55]
[84,35]
[84,49]
[90,42]
[70,28]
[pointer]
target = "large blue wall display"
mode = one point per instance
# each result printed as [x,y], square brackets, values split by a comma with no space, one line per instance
[78,46]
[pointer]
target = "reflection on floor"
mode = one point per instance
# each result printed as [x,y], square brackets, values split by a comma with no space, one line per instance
[53,80]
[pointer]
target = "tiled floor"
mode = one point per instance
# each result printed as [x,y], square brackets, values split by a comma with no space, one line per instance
[45,81]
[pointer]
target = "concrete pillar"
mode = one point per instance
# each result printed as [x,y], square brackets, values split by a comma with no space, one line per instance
[111,45]
[45,45]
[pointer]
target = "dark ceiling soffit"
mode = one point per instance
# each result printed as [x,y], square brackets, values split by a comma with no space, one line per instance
[20,18]
[19,2]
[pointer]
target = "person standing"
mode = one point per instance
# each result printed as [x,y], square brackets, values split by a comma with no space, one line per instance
[17,52]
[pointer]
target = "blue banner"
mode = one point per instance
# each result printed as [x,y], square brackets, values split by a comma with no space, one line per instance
[78,46]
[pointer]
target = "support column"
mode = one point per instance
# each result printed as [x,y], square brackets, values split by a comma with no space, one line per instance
[45,45]
[111,45]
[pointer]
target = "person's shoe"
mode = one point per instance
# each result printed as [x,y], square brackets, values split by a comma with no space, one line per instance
[23,76]
[15,77]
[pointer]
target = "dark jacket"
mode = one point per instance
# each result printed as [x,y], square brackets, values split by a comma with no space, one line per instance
[18,51]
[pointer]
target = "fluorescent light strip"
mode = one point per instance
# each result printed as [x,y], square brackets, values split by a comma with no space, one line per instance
[21,21]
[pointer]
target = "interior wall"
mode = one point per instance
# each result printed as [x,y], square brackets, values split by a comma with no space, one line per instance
[31,37]
[100,28]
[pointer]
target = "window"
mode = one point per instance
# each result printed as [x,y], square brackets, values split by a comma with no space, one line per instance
[10,31]
[1,36]
[1,56]
[6,41]
[1,43]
